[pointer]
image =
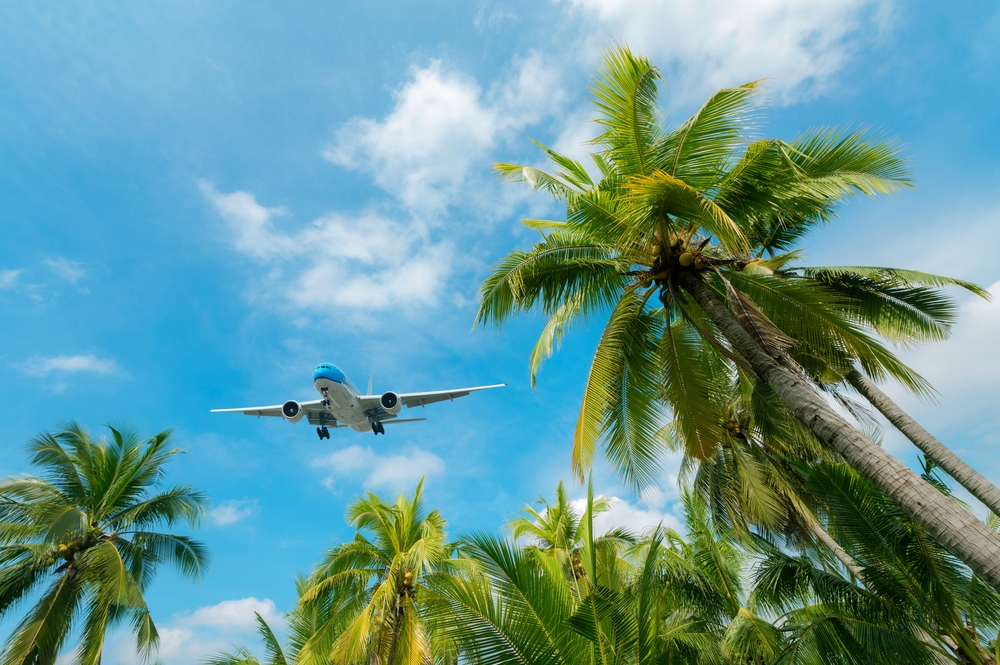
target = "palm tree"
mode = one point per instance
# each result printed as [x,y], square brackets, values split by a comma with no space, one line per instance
[917,604]
[752,483]
[646,228]
[364,598]
[635,604]
[561,530]
[83,533]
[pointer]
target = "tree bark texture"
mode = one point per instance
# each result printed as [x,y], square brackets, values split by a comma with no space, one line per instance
[952,464]
[953,526]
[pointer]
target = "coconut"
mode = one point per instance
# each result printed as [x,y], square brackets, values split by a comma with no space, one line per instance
[686,259]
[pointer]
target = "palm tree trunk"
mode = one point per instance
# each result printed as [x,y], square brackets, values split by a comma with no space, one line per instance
[822,536]
[952,464]
[954,527]
[397,617]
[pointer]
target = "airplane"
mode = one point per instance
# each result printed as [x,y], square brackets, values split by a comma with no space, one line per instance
[344,406]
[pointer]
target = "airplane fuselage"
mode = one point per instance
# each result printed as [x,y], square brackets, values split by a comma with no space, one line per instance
[341,397]
[341,404]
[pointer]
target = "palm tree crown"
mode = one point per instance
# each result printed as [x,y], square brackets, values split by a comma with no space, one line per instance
[83,531]
[366,593]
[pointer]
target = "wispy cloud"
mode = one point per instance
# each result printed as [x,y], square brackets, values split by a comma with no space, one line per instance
[8,278]
[492,18]
[390,471]
[233,614]
[232,511]
[71,271]
[43,366]
[365,261]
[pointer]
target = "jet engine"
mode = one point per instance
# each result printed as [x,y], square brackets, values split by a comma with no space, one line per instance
[390,402]
[292,411]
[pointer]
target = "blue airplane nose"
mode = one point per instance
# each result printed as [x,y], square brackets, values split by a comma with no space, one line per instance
[329,372]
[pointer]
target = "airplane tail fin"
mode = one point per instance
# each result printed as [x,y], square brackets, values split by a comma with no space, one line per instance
[370,377]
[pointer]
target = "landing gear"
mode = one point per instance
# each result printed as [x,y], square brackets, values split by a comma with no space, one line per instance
[378,428]
[323,433]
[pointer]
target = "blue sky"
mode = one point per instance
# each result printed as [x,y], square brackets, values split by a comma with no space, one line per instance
[201,201]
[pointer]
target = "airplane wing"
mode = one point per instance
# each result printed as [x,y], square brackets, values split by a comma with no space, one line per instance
[411,400]
[308,408]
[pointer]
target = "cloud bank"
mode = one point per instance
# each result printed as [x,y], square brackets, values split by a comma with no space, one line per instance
[702,46]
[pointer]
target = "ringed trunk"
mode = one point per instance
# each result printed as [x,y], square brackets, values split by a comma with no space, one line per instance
[952,464]
[955,528]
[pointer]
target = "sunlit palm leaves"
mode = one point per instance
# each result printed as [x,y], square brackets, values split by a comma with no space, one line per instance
[647,602]
[710,195]
[365,598]
[83,533]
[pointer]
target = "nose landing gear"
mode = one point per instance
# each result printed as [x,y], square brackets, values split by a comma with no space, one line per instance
[378,428]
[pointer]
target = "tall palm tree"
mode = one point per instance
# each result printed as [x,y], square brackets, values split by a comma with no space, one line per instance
[368,593]
[84,534]
[977,484]
[676,215]
[752,483]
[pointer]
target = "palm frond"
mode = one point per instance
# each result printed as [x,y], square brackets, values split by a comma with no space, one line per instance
[624,90]
[700,149]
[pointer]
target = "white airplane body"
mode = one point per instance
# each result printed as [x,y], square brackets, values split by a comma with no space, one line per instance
[343,405]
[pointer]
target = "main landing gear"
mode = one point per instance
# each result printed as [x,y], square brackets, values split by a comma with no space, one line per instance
[378,428]
[323,433]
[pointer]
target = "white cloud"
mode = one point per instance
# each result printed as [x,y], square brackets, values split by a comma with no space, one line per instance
[706,45]
[71,271]
[635,518]
[177,645]
[429,152]
[392,471]
[233,615]
[250,222]
[41,366]
[440,129]
[365,262]
[8,278]
[230,512]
